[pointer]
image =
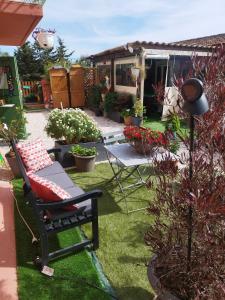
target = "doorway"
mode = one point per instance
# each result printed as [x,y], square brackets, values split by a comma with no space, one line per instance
[156,71]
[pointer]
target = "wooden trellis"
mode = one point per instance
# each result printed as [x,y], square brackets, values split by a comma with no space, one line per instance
[89,80]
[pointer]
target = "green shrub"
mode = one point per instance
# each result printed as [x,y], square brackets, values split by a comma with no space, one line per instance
[110,101]
[72,125]
[83,151]
[94,96]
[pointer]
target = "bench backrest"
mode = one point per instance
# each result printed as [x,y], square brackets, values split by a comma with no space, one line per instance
[113,138]
[20,164]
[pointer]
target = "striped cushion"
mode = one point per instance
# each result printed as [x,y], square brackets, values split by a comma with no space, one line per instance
[34,155]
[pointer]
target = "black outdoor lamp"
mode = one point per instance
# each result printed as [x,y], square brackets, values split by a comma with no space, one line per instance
[195,104]
[193,94]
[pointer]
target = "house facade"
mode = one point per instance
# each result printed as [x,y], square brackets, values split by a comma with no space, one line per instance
[137,67]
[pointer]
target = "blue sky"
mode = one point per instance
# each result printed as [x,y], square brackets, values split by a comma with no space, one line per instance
[90,26]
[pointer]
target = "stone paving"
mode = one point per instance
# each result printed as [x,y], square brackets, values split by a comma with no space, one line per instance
[37,120]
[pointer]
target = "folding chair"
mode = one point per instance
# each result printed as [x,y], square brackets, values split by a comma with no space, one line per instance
[118,168]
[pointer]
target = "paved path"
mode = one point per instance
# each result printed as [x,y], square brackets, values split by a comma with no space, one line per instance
[8,279]
[38,120]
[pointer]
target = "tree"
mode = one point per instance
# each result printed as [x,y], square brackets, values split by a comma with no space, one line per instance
[83,61]
[44,56]
[61,55]
[4,53]
[29,65]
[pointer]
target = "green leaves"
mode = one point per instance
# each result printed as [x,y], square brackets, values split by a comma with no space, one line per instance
[73,125]
[83,151]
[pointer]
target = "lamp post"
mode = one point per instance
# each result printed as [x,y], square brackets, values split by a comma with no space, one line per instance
[195,103]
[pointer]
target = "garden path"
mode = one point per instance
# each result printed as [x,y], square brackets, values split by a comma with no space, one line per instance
[8,278]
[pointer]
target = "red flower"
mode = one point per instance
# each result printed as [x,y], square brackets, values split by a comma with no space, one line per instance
[146,135]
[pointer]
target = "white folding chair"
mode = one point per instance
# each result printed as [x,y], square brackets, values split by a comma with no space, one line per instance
[118,168]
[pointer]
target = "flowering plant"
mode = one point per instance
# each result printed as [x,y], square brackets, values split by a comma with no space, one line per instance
[144,135]
[71,125]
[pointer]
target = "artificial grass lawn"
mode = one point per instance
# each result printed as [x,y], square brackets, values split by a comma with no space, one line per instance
[155,123]
[122,251]
[32,284]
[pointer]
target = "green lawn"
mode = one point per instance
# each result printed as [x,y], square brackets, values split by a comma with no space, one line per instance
[155,123]
[122,251]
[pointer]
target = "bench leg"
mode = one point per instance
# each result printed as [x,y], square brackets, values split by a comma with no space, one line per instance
[44,249]
[95,233]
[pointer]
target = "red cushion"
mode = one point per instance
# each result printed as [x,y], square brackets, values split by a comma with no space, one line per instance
[34,155]
[49,191]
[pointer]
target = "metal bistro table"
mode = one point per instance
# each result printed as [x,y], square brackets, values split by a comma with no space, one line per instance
[124,158]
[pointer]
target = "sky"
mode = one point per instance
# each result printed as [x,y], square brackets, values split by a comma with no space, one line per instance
[91,26]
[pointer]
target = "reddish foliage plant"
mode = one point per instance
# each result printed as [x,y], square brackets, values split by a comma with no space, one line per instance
[167,236]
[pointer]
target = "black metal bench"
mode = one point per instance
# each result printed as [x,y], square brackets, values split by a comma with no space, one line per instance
[51,218]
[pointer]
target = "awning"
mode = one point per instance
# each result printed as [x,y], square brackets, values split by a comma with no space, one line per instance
[17,21]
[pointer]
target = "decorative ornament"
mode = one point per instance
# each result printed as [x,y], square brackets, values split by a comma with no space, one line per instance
[135,72]
[45,38]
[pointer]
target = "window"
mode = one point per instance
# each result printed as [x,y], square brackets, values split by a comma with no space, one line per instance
[103,71]
[179,67]
[124,76]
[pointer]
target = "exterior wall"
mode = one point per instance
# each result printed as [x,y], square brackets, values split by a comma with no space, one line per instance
[120,88]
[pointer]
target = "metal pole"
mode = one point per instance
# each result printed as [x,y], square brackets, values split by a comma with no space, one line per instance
[190,209]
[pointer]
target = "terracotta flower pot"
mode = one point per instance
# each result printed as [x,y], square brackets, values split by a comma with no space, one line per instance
[13,165]
[142,148]
[85,163]
[127,120]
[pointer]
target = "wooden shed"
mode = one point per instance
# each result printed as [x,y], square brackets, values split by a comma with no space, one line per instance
[77,94]
[59,87]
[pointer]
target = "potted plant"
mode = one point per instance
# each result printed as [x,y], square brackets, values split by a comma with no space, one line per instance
[84,158]
[126,114]
[69,127]
[110,106]
[144,139]
[5,172]
[187,232]
[138,112]
[94,99]
[13,130]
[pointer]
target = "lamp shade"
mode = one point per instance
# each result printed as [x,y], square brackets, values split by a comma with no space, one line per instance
[45,38]
[195,101]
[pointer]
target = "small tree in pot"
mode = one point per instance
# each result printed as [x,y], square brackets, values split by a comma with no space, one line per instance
[13,130]
[138,111]
[179,271]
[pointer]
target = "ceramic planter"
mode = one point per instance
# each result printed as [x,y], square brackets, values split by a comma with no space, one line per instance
[136,121]
[115,116]
[85,163]
[127,120]
[67,159]
[162,294]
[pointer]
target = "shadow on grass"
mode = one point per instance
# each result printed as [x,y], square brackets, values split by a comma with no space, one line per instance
[134,293]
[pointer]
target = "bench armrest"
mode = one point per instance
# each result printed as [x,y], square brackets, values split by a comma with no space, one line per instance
[59,204]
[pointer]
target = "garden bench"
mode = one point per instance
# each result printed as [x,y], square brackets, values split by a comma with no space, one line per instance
[50,216]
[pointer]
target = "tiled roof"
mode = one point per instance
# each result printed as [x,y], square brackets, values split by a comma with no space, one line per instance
[207,41]
[136,46]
